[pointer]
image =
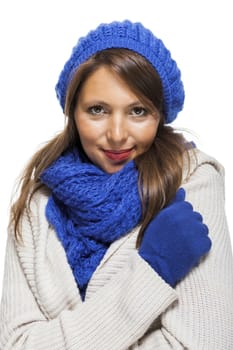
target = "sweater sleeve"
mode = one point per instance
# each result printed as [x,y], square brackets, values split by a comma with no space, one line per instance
[115,318]
[203,316]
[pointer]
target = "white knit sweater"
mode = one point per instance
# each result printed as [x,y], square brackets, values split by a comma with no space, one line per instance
[127,306]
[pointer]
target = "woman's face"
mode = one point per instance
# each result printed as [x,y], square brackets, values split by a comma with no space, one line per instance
[113,125]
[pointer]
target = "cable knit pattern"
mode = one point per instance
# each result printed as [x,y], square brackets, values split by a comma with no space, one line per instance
[127,305]
[136,37]
[86,209]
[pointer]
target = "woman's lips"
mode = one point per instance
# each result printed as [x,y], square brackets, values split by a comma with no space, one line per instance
[118,155]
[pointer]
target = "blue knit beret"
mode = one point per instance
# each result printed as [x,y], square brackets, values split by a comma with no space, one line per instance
[136,37]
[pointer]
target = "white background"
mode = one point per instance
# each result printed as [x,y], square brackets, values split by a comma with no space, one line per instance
[37,37]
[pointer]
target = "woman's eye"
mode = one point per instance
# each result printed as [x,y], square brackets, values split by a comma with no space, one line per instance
[139,112]
[96,110]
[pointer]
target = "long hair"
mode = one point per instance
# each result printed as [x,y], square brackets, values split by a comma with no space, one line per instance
[160,167]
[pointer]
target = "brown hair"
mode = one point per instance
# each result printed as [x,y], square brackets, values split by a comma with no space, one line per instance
[160,168]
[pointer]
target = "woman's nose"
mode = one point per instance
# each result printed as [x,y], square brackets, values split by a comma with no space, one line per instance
[117,132]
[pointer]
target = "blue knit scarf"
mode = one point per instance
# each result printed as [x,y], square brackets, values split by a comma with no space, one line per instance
[89,209]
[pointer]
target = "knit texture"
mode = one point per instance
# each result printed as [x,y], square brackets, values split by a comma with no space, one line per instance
[86,209]
[127,305]
[136,37]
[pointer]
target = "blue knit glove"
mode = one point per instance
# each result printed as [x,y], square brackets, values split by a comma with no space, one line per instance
[175,240]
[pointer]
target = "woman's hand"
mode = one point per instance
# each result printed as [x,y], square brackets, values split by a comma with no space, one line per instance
[175,240]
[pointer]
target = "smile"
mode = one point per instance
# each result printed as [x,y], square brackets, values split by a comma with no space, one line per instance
[118,155]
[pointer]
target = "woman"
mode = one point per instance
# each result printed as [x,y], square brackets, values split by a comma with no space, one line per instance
[118,239]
